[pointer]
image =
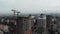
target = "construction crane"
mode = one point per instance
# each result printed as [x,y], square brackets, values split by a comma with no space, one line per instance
[18,13]
[14,11]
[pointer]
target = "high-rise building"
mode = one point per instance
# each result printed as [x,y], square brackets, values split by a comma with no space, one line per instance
[24,25]
[40,24]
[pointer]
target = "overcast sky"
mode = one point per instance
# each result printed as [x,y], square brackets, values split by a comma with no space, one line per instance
[30,6]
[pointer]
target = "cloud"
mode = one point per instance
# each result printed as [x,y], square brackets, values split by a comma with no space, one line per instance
[29,5]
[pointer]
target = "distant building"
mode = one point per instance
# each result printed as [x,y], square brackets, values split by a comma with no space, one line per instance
[49,20]
[40,23]
[24,25]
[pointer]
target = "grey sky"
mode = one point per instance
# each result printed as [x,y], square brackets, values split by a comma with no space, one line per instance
[29,6]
